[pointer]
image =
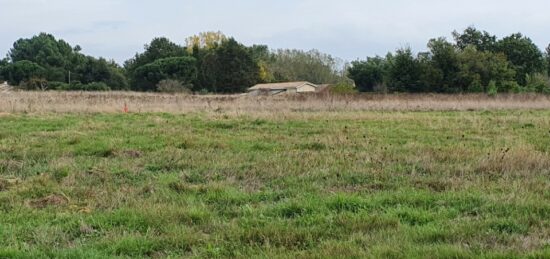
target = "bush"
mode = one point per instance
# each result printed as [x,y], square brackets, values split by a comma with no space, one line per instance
[43,84]
[381,88]
[492,89]
[475,87]
[96,86]
[203,91]
[57,85]
[509,86]
[34,84]
[538,83]
[172,86]
[343,88]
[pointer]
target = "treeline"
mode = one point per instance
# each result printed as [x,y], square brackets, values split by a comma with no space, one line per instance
[208,62]
[43,62]
[475,61]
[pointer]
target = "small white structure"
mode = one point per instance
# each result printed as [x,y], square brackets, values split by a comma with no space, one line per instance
[282,88]
[5,87]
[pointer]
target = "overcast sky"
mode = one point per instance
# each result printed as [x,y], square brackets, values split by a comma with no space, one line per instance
[348,29]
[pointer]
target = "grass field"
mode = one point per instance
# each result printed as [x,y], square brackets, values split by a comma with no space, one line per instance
[377,184]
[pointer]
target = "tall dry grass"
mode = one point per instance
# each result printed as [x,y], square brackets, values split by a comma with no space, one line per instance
[109,102]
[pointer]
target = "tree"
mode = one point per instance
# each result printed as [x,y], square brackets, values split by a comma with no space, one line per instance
[57,61]
[117,80]
[525,56]
[3,63]
[482,41]
[368,74]
[404,72]
[21,71]
[205,40]
[444,60]
[182,69]
[548,60]
[479,68]
[262,56]
[92,70]
[43,49]
[159,48]
[55,56]
[230,68]
[298,65]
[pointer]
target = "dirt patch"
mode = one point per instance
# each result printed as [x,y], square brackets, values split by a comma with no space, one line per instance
[49,201]
[130,153]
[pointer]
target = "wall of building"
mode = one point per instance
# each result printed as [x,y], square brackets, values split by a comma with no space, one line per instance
[306,89]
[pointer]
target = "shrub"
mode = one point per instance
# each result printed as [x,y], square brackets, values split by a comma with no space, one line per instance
[58,85]
[492,89]
[96,86]
[203,91]
[538,83]
[343,88]
[34,84]
[172,86]
[381,88]
[475,87]
[509,86]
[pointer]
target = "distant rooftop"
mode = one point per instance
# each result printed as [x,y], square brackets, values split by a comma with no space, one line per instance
[281,86]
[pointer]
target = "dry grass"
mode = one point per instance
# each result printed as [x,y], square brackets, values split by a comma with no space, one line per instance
[91,102]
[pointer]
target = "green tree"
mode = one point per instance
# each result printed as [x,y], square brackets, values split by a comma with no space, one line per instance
[298,65]
[262,57]
[57,61]
[479,68]
[182,69]
[55,56]
[548,60]
[445,63]
[21,71]
[230,68]
[404,72]
[90,70]
[43,49]
[3,64]
[525,56]
[481,40]
[159,48]
[368,74]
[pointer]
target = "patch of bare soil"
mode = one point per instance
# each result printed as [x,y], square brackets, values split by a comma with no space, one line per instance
[53,200]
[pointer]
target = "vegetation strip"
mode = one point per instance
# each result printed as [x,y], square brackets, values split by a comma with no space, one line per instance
[299,184]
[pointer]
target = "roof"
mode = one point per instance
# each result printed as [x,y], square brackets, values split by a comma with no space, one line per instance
[281,86]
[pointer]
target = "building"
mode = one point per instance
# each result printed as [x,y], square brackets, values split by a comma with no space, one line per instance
[282,88]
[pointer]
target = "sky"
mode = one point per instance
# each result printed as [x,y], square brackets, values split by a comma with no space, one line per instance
[348,29]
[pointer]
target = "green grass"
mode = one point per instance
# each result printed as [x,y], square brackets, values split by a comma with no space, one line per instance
[359,184]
